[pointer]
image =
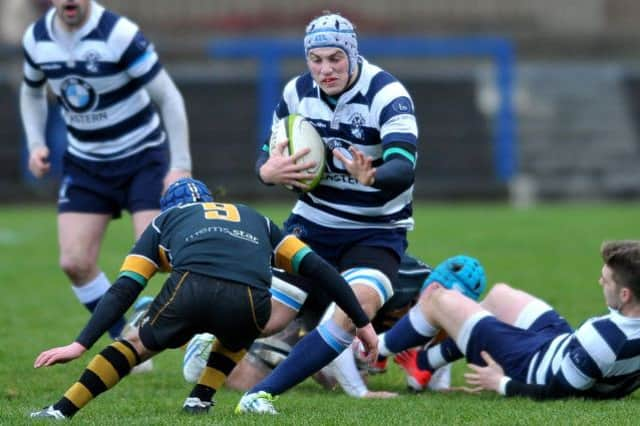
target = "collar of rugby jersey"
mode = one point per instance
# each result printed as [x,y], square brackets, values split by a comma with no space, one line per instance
[77,35]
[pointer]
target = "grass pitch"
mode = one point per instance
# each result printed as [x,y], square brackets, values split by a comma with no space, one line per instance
[551,251]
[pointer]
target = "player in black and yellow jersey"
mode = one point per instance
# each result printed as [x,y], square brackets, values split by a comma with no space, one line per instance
[220,257]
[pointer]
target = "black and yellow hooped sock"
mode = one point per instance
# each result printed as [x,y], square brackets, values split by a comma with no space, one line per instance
[103,372]
[219,365]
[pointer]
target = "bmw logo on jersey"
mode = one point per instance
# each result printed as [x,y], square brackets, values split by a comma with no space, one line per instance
[77,95]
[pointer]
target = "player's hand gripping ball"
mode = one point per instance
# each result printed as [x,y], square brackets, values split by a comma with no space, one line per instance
[300,134]
[462,273]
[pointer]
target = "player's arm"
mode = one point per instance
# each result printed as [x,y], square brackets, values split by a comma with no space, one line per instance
[33,110]
[139,266]
[142,64]
[397,172]
[277,167]
[554,390]
[144,260]
[399,134]
[113,305]
[165,94]
[492,377]
[263,156]
[268,174]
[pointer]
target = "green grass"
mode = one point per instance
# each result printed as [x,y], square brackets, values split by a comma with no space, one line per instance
[550,250]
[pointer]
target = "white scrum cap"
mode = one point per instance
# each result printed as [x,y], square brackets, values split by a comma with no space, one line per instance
[333,30]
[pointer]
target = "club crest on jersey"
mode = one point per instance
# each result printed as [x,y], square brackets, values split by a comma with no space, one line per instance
[77,95]
[357,121]
[92,61]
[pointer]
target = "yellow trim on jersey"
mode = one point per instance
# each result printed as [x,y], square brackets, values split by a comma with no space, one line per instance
[165,265]
[140,265]
[286,253]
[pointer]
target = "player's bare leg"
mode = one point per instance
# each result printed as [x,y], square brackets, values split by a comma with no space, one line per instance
[369,300]
[281,315]
[141,219]
[447,309]
[80,236]
[509,312]
[246,374]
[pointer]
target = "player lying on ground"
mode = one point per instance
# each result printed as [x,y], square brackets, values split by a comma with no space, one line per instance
[517,345]
[220,258]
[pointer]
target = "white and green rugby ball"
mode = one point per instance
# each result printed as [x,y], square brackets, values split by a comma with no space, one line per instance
[301,134]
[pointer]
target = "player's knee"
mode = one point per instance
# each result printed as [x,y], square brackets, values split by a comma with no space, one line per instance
[370,300]
[427,294]
[133,338]
[434,297]
[373,279]
[281,316]
[499,291]
[335,335]
[497,296]
[77,268]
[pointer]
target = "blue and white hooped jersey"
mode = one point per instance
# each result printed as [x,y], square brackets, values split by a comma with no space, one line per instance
[376,115]
[601,357]
[98,83]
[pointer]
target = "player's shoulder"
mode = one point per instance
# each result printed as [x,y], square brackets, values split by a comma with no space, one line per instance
[375,78]
[248,211]
[120,30]
[300,85]
[250,215]
[122,24]
[37,31]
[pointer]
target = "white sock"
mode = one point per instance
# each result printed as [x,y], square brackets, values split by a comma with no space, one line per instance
[420,323]
[92,290]
[346,373]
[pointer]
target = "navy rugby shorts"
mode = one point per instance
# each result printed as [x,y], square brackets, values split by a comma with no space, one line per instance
[134,183]
[332,243]
[512,347]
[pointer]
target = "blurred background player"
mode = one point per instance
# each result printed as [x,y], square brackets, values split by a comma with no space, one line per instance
[219,255]
[358,216]
[108,81]
[537,353]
